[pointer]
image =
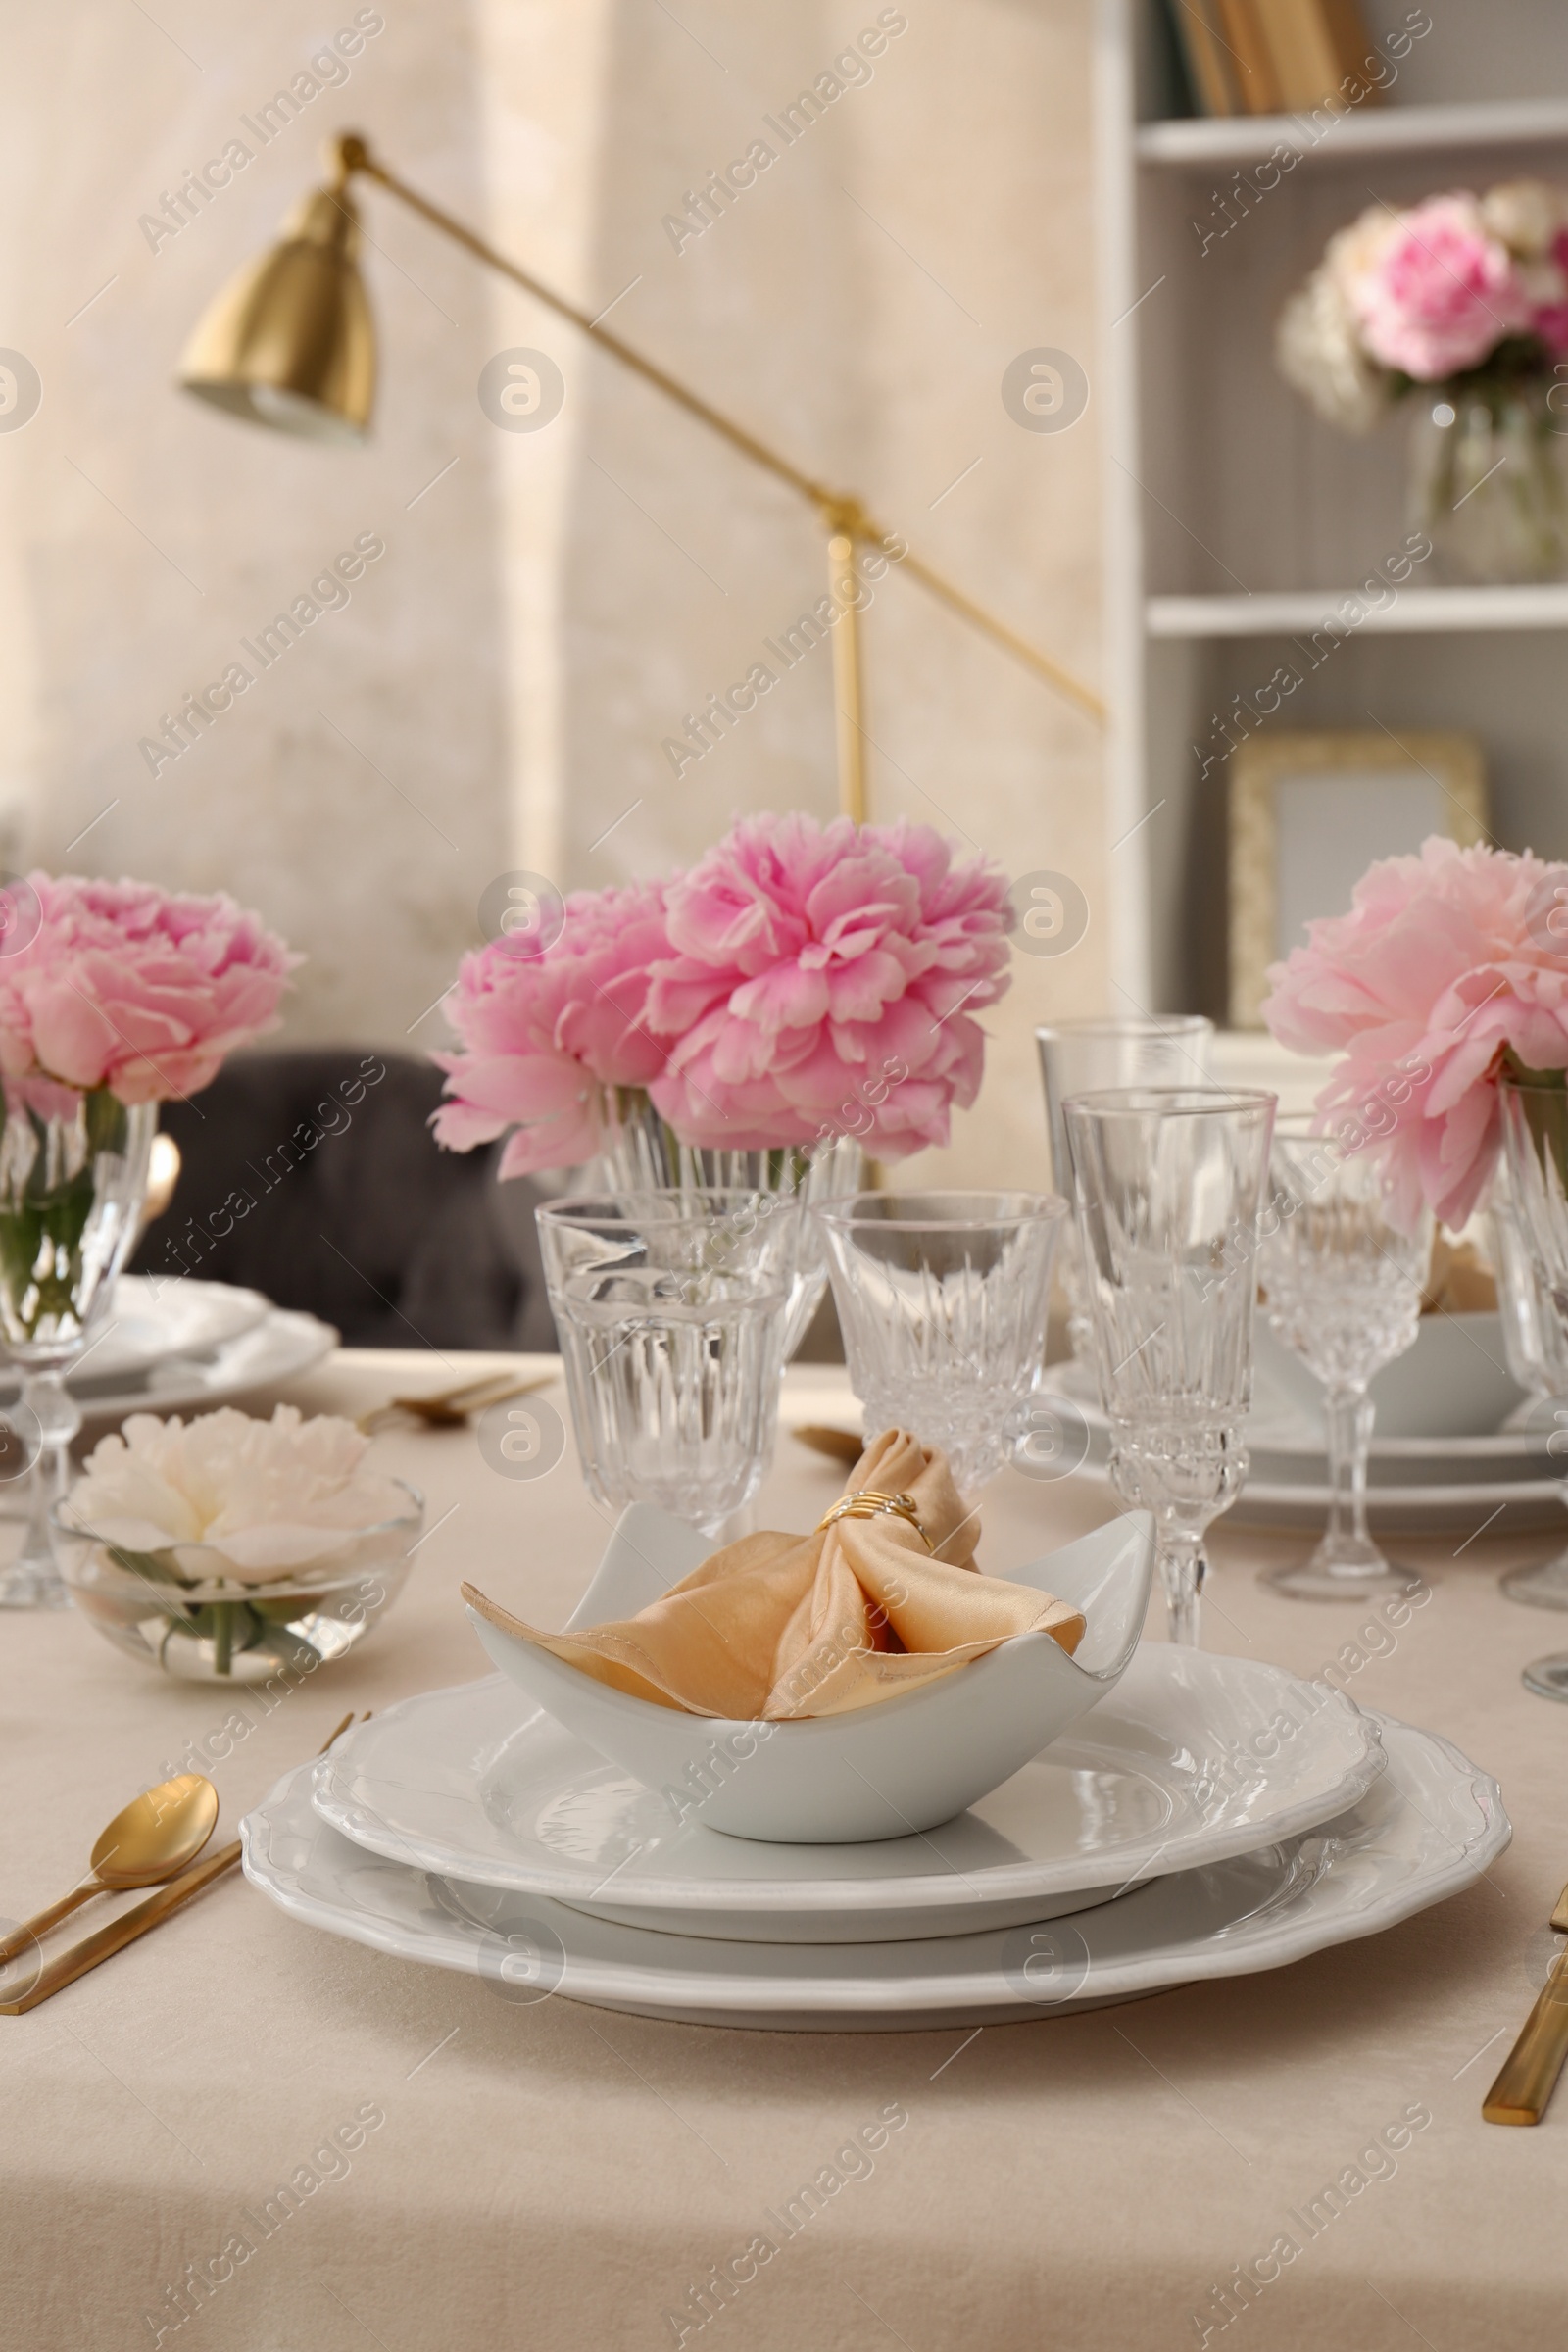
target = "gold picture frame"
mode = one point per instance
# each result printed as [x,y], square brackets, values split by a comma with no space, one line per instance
[1435,782]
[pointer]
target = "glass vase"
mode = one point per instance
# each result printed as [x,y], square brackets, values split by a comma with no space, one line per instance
[641,1152]
[73,1176]
[1485,483]
[1535,1139]
[188,1611]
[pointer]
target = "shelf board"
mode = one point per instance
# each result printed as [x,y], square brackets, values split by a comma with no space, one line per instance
[1414,611]
[1378,131]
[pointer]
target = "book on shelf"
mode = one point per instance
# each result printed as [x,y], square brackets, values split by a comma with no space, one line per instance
[1264,57]
[1314,46]
[1207,56]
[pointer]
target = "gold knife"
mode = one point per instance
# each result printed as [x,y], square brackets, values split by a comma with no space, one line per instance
[106,1941]
[103,1945]
[1522,2089]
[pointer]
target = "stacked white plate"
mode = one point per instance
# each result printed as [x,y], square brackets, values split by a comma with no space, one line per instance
[168,1345]
[1209,1818]
[1457,1443]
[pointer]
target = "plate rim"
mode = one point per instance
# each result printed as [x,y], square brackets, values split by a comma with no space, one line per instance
[1006,1882]
[618,1985]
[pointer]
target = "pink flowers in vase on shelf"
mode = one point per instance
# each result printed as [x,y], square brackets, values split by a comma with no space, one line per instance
[794,965]
[1451,286]
[1449,965]
[125,986]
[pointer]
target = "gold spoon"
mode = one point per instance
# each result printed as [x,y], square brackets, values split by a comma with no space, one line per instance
[152,1839]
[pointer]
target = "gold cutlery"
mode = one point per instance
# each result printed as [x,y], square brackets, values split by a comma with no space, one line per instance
[844,1445]
[103,1945]
[450,1406]
[152,1839]
[1522,2089]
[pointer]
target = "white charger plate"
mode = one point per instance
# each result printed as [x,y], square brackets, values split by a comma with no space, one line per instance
[1163,1775]
[1426,1829]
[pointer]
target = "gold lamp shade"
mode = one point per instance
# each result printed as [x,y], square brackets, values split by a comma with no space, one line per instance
[289,342]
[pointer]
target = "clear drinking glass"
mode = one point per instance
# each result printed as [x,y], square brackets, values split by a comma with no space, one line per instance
[1342,1287]
[671,1307]
[1535,1139]
[942,1300]
[1169,1182]
[72,1174]
[1535,1343]
[1086,1058]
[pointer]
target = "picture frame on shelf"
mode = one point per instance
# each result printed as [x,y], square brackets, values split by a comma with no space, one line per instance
[1311,809]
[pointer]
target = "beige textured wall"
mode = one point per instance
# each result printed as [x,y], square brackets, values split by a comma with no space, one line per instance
[498,691]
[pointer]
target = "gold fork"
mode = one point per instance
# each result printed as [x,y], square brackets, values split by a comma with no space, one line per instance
[1522,2089]
[450,1406]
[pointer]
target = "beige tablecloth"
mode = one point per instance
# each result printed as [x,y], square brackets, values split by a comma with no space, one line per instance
[556,2177]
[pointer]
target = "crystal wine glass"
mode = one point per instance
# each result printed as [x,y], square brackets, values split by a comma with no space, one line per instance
[1086,1058]
[1342,1287]
[1535,1140]
[73,1175]
[1168,1182]
[671,1307]
[942,1299]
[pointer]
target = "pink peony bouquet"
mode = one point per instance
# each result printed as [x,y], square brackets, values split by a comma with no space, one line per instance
[1449,967]
[545,1037]
[796,972]
[126,987]
[1450,288]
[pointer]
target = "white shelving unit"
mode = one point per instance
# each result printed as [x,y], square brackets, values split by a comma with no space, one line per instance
[1236,520]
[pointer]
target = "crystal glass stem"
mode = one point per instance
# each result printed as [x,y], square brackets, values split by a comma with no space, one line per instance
[1183,1567]
[34,1581]
[1350,1414]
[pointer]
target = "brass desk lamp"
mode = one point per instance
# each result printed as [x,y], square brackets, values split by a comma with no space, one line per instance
[289,343]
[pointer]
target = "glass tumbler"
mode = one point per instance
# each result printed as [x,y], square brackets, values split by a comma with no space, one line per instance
[1342,1287]
[1169,1182]
[1085,1057]
[1535,1142]
[671,1307]
[942,1299]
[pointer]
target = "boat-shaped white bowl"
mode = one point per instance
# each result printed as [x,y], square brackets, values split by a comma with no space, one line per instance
[882,1771]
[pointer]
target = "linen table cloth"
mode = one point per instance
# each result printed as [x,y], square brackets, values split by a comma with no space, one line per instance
[469,2171]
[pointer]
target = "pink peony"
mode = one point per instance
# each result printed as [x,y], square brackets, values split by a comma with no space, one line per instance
[1446,960]
[140,990]
[1441,294]
[826,975]
[542,1034]
[1550,321]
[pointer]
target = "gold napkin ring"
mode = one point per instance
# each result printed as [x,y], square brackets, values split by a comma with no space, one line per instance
[869,1502]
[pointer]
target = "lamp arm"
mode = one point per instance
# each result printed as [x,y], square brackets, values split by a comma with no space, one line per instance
[845,516]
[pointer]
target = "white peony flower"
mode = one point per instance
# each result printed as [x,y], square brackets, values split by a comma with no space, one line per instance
[1318,348]
[271,1496]
[1525,214]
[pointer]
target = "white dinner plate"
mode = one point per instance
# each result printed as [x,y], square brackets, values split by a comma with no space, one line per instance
[278,1348]
[1426,1828]
[1190,1759]
[149,1322]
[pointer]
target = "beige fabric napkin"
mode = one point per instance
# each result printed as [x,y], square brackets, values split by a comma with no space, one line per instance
[779,1626]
